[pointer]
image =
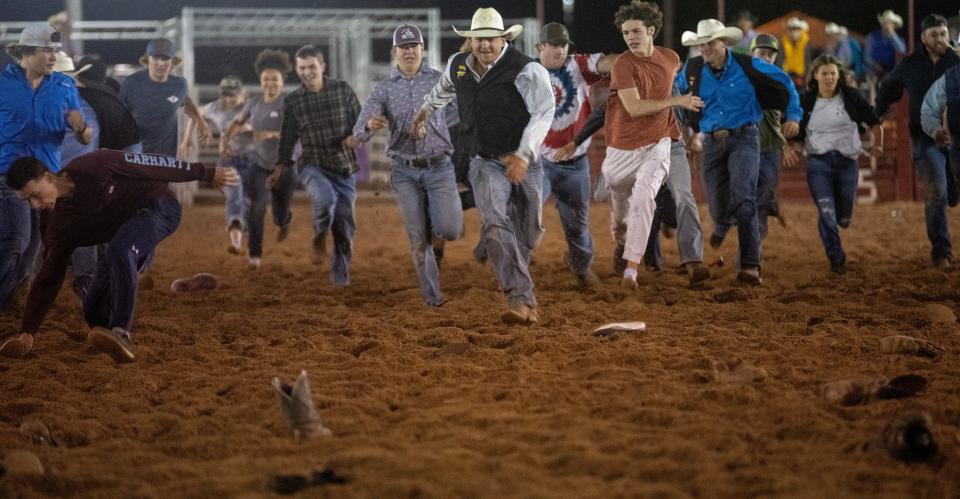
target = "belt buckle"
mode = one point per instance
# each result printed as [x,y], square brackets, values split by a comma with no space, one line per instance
[721,134]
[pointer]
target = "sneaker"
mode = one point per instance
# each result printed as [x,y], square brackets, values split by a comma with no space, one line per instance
[697,272]
[716,240]
[943,263]
[318,249]
[254,263]
[282,233]
[619,264]
[113,342]
[521,314]
[749,276]
[629,280]
[588,279]
[236,238]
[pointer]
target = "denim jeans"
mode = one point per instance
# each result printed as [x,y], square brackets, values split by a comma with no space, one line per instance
[931,163]
[333,196]
[570,186]
[19,240]
[511,224]
[665,214]
[833,179]
[110,301]
[419,191]
[689,231]
[730,170]
[256,192]
[768,181]
[235,195]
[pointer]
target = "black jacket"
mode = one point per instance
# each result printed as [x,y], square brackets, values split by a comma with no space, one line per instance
[856,105]
[915,72]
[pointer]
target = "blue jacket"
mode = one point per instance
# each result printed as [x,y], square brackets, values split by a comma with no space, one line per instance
[731,101]
[33,123]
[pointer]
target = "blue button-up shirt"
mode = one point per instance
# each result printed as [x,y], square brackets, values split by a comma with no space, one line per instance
[730,101]
[33,122]
[399,100]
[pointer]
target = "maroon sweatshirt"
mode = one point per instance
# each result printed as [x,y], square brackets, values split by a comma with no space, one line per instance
[109,188]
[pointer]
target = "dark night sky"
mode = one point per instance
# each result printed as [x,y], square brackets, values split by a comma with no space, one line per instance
[592,27]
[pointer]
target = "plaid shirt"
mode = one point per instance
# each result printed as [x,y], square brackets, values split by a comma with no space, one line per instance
[320,121]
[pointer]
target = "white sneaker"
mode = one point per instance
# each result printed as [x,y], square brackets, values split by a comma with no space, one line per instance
[254,263]
[236,241]
[630,279]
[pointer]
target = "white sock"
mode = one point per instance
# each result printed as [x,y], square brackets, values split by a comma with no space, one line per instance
[630,273]
[236,238]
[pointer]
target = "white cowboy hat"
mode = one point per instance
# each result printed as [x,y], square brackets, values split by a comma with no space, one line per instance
[834,29]
[487,23]
[889,15]
[797,23]
[64,63]
[709,30]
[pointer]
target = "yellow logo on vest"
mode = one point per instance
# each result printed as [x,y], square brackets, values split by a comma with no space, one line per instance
[461,71]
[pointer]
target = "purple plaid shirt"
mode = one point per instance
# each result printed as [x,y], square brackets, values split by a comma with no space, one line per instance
[399,100]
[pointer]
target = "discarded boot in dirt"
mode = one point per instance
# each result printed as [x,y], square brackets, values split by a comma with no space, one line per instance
[297,410]
[199,282]
[908,345]
[858,391]
[291,484]
[902,387]
[907,436]
[38,432]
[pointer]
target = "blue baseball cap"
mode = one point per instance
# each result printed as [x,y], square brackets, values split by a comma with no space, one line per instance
[161,47]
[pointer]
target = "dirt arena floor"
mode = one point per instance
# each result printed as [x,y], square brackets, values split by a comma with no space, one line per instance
[720,397]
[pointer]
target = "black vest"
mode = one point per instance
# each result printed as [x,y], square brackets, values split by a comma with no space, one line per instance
[952,86]
[493,114]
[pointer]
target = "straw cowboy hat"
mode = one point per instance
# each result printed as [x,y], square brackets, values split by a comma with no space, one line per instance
[487,23]
[889,15]
[797,23]
[709,30]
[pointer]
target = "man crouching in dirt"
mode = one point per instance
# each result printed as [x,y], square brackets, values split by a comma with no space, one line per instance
[105,196]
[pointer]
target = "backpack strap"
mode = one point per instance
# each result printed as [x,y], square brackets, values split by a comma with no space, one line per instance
[771,94]
[693,73]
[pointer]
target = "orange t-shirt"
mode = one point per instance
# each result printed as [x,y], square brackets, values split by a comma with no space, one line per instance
[653,78]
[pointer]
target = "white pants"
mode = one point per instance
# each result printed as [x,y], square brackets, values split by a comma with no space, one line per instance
[633,178]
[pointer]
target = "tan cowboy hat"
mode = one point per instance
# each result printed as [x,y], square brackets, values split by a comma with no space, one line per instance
[64,63]
[709,30]
[797,23]
[835,29]
[889,15]
[487,23]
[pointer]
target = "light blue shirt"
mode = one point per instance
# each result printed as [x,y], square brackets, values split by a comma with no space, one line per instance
[70,148]
[934,103]
[33,122]
[730,101]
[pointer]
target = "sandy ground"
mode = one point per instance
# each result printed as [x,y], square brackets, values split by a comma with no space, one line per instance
[720,397]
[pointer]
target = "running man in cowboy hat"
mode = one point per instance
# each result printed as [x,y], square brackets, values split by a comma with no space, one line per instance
[422,174]
[565,166]
[735,89]
[506,105]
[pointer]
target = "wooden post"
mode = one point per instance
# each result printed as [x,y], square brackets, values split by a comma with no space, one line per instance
[721,8]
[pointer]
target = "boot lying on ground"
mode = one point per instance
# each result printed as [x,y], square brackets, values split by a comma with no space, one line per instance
[296,408]
[858,391]
[199,282]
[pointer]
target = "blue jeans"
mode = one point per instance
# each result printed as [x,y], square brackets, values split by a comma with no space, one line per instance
[416,189]
[833,179]
[686,214]
[570,186]
[19,240]
[235,195]
[931,163]
[665,214]
[730,170]
[333,196]
[768,180]
[110,301]
[256,192]
[511,224]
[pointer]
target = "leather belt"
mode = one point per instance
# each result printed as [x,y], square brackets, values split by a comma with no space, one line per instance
[569,162]
[724,133]
[425,162]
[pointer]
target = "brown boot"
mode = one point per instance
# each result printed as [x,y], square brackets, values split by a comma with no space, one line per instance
[521,314]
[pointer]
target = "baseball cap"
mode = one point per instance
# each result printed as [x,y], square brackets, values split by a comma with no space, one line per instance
[555,34]
[407,34]
[231,84]
[765,41]
[40,35]
[161,47]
